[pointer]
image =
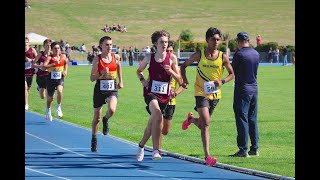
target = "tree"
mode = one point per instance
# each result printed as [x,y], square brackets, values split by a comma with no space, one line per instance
[186,35]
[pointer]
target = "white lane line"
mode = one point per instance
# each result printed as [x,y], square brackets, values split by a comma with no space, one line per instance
[46,173]
[95,158]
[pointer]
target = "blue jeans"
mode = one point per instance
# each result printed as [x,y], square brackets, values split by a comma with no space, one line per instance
[285,61]
[245,106]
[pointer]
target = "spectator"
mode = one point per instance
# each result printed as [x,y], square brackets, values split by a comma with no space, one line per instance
[270,55]
[83,48]
[124,54]
[90,57]
[130,52]
[259,40]
[276,55]
[284,54]
[124,29]
[27,5]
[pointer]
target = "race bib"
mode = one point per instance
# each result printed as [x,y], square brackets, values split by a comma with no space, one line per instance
[159,87]
[27,65]
[56,75]
[210,87]
[107,85]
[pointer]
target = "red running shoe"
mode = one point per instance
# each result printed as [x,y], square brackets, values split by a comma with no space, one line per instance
[210,161]
[186,123]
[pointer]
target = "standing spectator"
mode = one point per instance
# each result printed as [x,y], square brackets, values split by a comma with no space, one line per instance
[259,40]
[57,65]
[95,50]
[270,55]
[105,68]
[136,54]
[124,54]
[90,57]
[168,113]
[42,73]
[245,101]
[118,50]
[130,52]
[284,54]
[207,86]
[276,55]
[162,67]
[30,55]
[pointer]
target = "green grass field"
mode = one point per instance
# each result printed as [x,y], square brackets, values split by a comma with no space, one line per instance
[276,117]
[81,21]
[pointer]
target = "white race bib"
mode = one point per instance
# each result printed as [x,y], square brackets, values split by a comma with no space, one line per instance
[107,85]
[159,87]
[56,75]
[210,87]
[27,65]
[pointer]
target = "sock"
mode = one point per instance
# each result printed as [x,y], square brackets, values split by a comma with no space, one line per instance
[94,136]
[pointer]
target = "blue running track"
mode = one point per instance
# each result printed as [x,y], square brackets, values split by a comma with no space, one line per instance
[61,150]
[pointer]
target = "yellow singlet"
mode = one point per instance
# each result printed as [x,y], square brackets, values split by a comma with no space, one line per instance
[208,70]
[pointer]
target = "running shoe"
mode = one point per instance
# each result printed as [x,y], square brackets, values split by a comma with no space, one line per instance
[140,154]
[59,111]
[26,107]
[48,115]
[105,128]
[156,155]
[253,153]
[94,145]
[186,123]
[210,161]
[240,154]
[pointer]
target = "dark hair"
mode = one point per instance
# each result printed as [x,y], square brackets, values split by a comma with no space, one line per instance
[212,31]
[171,44]
[46,41]
[157,34]
[53,44]
[103,39]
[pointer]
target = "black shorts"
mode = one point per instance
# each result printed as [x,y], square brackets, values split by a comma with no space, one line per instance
[204,102]
[29,80]
[100,98]
[52,85]
[149,98]
[169,111]
[42,81]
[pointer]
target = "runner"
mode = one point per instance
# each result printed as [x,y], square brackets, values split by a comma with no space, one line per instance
[163,66]
[57,65]
[105,68]
[41,72]
[207,86]
[30,55]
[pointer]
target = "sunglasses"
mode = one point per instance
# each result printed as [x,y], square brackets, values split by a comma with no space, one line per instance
[169,50]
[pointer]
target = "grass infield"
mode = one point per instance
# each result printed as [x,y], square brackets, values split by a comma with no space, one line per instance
[276,117]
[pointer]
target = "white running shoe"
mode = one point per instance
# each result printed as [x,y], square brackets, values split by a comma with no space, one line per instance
[156,155]
[140,154]
[59,112]
[48,115]
[26,107]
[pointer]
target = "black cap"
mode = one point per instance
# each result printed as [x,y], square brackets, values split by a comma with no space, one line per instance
[243,36]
